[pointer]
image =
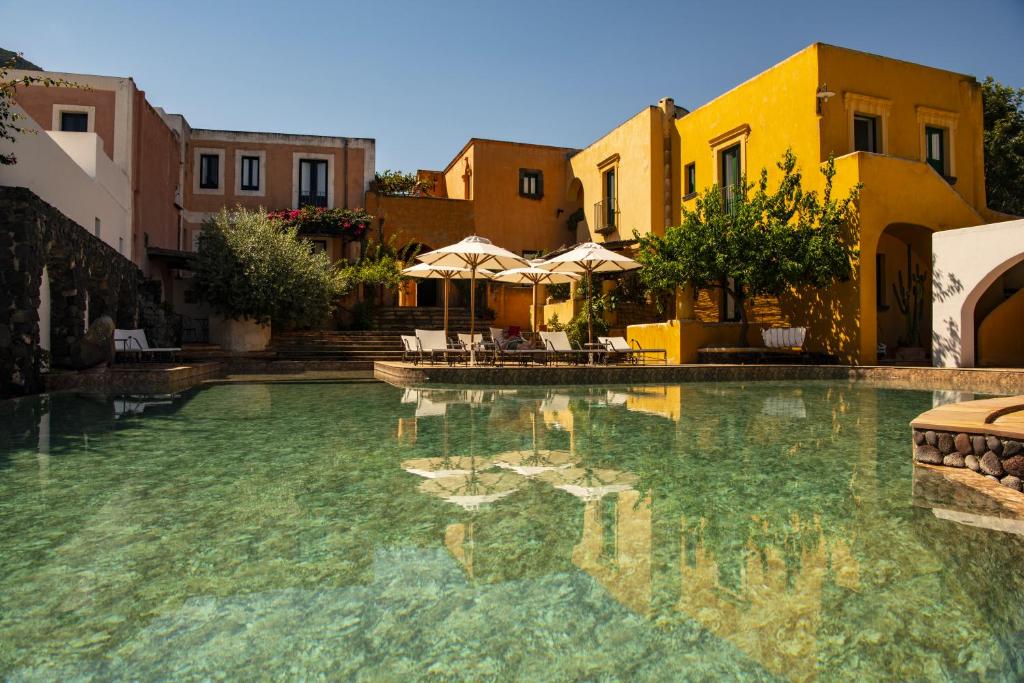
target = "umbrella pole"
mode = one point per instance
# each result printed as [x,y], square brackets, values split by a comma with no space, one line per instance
[590,311]
[472,316]
[534,321]
[446,281]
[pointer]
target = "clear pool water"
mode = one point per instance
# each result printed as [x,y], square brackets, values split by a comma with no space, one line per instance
[358,531]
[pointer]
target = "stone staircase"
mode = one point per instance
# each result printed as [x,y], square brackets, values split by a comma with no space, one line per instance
[350,347]
[358,349]
[405,320]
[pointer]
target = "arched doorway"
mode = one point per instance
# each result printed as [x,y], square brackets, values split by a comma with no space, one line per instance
[995,320]
[903,260]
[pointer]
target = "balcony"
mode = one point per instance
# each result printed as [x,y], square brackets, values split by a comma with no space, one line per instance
[606,214]
[312,200]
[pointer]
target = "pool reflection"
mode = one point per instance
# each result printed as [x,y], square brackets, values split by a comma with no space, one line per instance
[768,563]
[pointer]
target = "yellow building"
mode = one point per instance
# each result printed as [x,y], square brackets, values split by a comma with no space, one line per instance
[911,134]
[626,181]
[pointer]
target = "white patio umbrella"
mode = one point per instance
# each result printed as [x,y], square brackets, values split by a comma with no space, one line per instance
[473,252]
[535,276]
[589,258]
[446,273]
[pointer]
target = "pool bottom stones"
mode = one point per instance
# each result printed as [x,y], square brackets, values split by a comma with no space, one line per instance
[996,457]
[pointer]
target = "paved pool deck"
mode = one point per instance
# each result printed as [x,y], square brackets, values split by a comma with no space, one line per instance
[978,380]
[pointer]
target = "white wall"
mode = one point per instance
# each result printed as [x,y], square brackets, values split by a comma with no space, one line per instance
[966,262]
[70,172]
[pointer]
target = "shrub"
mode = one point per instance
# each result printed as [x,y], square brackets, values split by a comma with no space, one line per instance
[252,266]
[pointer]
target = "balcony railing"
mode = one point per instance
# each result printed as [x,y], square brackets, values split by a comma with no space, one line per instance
[606,216]
[312,200]
[730,198]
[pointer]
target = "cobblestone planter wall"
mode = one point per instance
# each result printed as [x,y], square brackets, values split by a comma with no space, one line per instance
[33,234]
[998,458]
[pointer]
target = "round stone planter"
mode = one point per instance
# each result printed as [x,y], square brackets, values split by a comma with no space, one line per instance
[239,335]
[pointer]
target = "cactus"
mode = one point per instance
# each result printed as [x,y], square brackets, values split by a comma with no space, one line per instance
[910,299]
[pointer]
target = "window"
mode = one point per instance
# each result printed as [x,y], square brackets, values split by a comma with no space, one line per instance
[607,207]
[865,133]
[74,121]
[312,182]
[250,173]
[935,148]
[96,227]
[319,246]
[209,171]
[690,179]
[729,175]
[120,245]
[531,183]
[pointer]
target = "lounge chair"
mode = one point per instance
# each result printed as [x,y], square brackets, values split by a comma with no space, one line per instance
[133,343]
[476,343]
[410,348]
[559,345]
[433,343]
[632,353]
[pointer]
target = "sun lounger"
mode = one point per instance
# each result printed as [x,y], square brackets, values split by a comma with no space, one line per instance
[410,348]
[433,343]
[634,353]
[133,344]
[559,346]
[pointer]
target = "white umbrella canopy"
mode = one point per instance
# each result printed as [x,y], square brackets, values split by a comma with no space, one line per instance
[474,253]
[531,274]
[446,273]
[589,258]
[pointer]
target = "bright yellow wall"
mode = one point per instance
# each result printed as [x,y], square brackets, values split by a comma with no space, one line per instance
[776,110]
[914,91]
[999,341]
[683,338]
[454,175]
[637,142]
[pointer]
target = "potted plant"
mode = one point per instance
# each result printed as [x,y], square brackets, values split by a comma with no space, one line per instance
[252,269]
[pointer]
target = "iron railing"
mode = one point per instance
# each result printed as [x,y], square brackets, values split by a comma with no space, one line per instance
[312,200]
[606,216]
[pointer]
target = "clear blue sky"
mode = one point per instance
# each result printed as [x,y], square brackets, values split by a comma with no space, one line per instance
[422,77]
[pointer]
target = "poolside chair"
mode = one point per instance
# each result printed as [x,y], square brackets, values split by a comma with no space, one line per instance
[476,342]
[632,353]
[559,345]
[133,343]
[433,343]
[410,348]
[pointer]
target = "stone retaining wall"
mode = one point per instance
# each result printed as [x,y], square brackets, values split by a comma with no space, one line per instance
[34,235]
[998,458]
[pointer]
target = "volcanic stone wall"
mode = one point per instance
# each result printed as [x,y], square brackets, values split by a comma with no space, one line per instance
[996,457]
[33,234]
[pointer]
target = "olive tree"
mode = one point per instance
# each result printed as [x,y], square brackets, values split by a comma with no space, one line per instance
[251,266]
[751,241]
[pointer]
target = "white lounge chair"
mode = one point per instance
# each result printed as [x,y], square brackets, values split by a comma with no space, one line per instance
[558,344]
[433,343]
[634,353]
[410,348]
[134,343]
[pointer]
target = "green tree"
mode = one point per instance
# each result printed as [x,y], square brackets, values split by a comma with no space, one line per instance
[751,241]
[9,118]
[397,183]
[249,265]
[1004,146]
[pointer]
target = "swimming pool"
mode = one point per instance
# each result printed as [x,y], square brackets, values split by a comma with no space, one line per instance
[698,531]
